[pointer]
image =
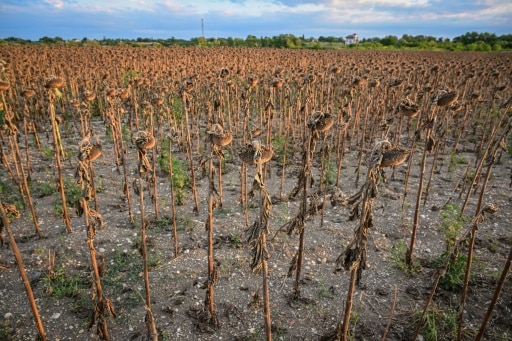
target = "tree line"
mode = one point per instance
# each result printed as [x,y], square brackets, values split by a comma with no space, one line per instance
[470,41]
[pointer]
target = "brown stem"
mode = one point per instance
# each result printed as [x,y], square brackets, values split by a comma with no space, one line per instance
[466,281]
[302,213]
[220,183]
[211,264]
[348,305]
[27,190]
[27,158]
[122,149]
[100,301]
[391,313]
[190,158]
[173,205]
[150,321]
[154,195]
[427,304]
[285,146]
[361,147]
[410,250]
[495,297]
[24,277]
[266,294]
[65,214]
[300,256]
[18,177]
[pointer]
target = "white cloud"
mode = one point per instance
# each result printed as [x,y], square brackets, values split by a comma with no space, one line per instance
[364,4]
[224,18]
[55,3]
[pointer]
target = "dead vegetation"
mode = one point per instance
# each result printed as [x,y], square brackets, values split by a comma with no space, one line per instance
[189,126]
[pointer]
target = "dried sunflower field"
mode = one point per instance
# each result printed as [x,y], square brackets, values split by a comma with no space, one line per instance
[254,194]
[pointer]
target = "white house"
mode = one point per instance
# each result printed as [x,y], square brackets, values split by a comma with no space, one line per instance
[352,39]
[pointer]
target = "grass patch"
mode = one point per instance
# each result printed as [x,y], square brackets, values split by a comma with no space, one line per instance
[279,144]
[455,161]
[398,253]
[184,224]
[451,224]
[59,284]
[180,174]
[437,324]
[48,152]
[453,279]
[329,172]
[41,189]
[10,193]
[72,191]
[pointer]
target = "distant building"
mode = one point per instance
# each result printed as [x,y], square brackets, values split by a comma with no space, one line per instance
[352,39]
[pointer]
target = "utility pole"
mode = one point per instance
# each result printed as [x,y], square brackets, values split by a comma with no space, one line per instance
[202,28]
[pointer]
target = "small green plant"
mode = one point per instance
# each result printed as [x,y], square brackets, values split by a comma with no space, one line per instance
[57,208]
[455,160]
[180,180]
[279,143]
[126,133]
[324,291]
[398,253]
[469,177]
[129,75]
[236,240]
[163,156]
[180,176]
[162,223]
[6,332]
[73,194]
[329,172]
[437,324]
[70,153]
[60,284]
[72,191]
[100,187]
[451,223]
[185,224]
[10,193]
[177,109]
[221,211]
[48,152]
[122,268]
[155,259]
[41,189]
[108,132]
[122,276]
[453,279]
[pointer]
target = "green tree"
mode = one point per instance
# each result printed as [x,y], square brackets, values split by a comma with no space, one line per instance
[389,41]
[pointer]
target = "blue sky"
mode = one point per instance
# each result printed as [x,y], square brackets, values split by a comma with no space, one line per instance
[95,19]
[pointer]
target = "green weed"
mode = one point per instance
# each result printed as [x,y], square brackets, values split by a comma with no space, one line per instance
[180,175]
[398,253]
[453,279]
[451,223]
[455,161]
[279,143]
[60,284]
[41,189]
[72,191]
[329,172]
[47,152]
[438,324]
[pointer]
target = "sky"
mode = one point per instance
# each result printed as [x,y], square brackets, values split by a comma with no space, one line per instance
[185,19]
